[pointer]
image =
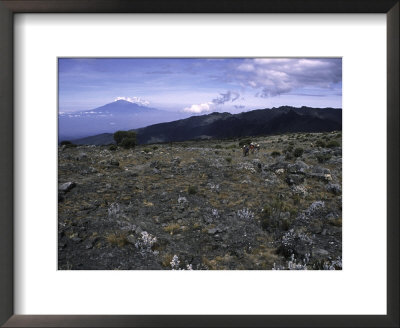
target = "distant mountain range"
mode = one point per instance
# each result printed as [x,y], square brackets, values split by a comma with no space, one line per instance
[118,115]
[225,125]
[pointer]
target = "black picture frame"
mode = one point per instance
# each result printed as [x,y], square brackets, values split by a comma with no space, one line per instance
[7,10]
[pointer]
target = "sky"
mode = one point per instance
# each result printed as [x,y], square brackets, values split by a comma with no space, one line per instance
[202,85]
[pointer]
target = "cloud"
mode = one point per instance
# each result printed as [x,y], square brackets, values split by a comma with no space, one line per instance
[134,100]
[275,76]
[200,108]
[239,106]
[224,97]
[211,105]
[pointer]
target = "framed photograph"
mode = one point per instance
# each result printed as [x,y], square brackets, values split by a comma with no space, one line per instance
[199,164]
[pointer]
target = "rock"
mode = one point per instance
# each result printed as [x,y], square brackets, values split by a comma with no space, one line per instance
[155,164]
[212,231]
[320,176]
[89,245]
[278,166]
[284,215]
[319,252]
[217,237]
[131,239]
[65,187]
[320,170]
[81,157]
[334,188]
[114,162]
[294,179]
[298,168]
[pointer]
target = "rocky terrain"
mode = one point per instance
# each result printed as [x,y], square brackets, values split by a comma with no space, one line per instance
[202,205]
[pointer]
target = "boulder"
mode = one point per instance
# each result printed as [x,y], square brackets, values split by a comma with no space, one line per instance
[298,168]
[131,239]
[81,157]
[294,179]
[114,162]
[334,188]
[65,187]
[320,170]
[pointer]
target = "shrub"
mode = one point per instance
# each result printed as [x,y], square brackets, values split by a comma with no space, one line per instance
[289,149]
[67,144]
[128,143]
[298,152]
[119,136]
[218,147]
[192,190]
[320,143]
[228,159]
[336,222]
[155,147]
[332,144]
[275,153]
[172,228]
[113,147]
[146,150]
[288,156]
[266,217]
[322,158]
[244,142]
[117,239]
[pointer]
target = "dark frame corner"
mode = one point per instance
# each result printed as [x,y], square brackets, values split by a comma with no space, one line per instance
[7,10]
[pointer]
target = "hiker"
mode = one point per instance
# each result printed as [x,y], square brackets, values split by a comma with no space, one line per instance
[245,150]
[257,148]
[252,148]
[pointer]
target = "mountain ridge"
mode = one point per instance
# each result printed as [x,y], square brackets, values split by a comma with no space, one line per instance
[225,125]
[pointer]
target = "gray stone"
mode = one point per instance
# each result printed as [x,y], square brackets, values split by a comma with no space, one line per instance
[284,215]
[65,187]
[114,162]
[131,239]
[81,157]
[320,170]
[334,188]
[294,179]
[212,231]
[319,252]
[298,168]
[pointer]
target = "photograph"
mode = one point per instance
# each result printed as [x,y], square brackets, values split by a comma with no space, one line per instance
[199,163]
